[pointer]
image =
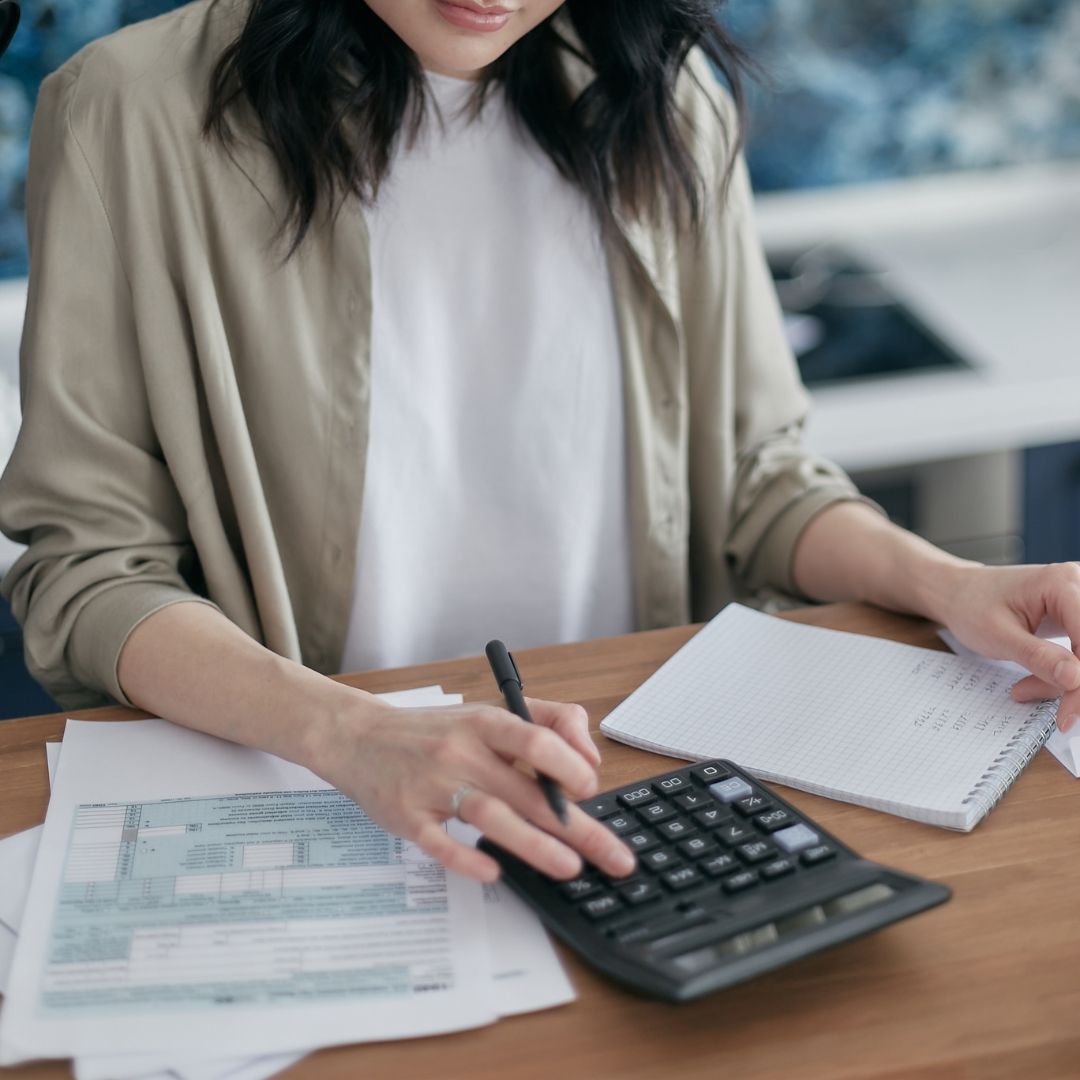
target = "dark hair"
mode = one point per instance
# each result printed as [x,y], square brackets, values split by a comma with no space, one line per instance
[333,87]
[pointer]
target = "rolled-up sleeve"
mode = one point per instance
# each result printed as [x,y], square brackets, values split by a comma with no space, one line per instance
[754,486]
[87,488]
[779,485]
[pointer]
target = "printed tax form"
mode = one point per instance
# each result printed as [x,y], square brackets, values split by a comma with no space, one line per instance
[275,917]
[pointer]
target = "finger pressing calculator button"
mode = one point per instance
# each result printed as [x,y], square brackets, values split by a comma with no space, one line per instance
[772,820]
[641,892]
[676,829]
[817,854]
[796,838]
[655,812]
[709,774]
[622,823]
[744,879]
[601,907]
[637,796]
[682,877]
[731,789]
[600,807]
[640,841]
[671,785]
[752,804]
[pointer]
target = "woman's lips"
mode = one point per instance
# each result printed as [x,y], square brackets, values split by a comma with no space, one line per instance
[466,16]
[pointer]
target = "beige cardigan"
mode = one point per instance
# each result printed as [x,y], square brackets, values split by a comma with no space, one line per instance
[195,409]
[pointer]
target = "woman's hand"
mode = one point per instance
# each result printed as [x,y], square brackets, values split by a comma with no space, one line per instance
[404,766]
[849,551]
[996,610]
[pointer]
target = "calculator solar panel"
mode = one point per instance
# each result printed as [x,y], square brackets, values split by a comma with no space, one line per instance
[732,881]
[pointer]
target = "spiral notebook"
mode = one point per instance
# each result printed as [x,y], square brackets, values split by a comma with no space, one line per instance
[922,734]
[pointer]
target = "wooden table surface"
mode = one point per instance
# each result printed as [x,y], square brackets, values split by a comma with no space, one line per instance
[987,985]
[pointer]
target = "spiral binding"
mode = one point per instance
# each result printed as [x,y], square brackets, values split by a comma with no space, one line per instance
[1019,750]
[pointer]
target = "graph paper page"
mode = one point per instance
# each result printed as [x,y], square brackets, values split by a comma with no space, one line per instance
[869,721]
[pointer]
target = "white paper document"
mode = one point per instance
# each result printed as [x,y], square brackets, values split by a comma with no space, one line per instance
[16,869]
[7,954]
[1065,746]
[17,855]
[276,917]
[525,971]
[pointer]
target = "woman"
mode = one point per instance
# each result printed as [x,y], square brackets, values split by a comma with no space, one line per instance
[488,266]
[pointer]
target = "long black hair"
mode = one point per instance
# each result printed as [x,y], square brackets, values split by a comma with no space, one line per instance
[333,87]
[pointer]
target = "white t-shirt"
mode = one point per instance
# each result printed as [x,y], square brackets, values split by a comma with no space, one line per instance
[495,498]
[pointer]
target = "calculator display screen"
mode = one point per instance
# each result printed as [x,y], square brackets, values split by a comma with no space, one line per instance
[770,933]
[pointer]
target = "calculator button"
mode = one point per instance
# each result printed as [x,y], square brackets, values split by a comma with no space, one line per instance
[734,883]
[696,846]
[676,829]
[711,818]
[709,774]
[640,841]
[777,868]
[693,800]
[656,812]
[682,877]
[772,820]
[661,859]
[579,888]
[671,785]
[637,796]
[733,832]
[600,807]
[641,892]
[610,879]
[756,851]
[753,804]
[621,824]
[730,790]
[796,838]
[601,907]
[716,865]
[817,854]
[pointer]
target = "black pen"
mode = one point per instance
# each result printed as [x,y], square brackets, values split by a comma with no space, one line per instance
[510,686]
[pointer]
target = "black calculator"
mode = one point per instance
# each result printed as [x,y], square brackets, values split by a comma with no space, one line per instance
[732,881]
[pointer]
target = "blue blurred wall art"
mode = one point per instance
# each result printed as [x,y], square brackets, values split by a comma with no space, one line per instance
[856,90]
[861,90]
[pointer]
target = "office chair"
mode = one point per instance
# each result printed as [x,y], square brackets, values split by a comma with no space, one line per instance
[9,20]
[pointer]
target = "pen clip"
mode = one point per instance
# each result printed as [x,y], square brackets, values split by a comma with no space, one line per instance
[513,664]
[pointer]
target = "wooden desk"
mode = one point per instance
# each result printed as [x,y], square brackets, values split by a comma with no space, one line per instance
[986,986]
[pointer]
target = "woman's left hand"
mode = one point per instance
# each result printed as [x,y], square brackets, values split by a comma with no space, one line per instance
[996,610]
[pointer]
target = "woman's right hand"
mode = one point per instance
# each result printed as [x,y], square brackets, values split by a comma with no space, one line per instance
[404,766]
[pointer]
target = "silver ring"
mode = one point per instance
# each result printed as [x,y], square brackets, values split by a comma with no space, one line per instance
[457,797]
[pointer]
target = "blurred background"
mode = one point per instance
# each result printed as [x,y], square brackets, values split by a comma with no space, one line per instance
[918,170]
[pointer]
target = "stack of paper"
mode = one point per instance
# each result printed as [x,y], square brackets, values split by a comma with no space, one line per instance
[189,893]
